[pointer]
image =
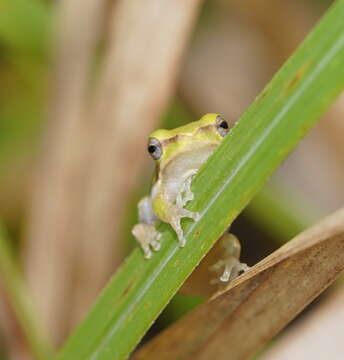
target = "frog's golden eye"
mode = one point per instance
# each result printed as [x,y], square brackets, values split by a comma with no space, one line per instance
[154,148]
[222,126]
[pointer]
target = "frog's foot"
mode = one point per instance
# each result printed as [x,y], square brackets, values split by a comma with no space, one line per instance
[148,237]
[231,265]
[177,214]
[232,269]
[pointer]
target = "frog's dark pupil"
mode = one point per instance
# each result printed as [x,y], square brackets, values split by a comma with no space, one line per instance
[151,149]
[224,125]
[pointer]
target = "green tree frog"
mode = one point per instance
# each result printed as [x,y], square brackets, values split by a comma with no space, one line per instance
[179,153]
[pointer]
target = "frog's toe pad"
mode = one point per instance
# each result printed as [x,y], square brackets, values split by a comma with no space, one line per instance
[155,244]
[232,271]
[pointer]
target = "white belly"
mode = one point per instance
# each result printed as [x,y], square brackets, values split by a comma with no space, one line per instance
[180,168]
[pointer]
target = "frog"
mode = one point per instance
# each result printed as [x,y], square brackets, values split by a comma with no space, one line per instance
[179,154]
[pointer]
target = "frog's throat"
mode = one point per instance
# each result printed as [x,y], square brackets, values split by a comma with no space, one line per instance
[191,157]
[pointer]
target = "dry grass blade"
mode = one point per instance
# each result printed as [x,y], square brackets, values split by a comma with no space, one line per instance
[240,320]
[317,335]
[56,203]
[146,44]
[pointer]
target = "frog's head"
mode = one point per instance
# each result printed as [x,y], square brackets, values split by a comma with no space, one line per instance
[165,145]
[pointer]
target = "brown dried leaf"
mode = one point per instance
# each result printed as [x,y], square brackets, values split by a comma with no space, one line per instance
[317,335]
[241,319]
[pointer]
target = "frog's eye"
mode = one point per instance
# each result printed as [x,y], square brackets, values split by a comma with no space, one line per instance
[222,126]
[154,148]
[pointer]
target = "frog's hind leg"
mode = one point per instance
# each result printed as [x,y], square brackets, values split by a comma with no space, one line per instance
[145,233]
[231,265]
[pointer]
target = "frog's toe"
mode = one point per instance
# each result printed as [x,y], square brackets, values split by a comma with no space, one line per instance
[188,195]
[182,240]
[190,214]
[229,271]
[155,243]
[147,254]
[175,223]
[184,197]
[155,246]
[196,216]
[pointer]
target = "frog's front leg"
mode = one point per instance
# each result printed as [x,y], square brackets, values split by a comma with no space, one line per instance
[145,232]
[231,265]
[172,213]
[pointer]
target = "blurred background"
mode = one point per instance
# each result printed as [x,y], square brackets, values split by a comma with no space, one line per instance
[83,83]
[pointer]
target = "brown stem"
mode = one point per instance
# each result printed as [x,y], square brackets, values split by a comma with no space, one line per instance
[55,215]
